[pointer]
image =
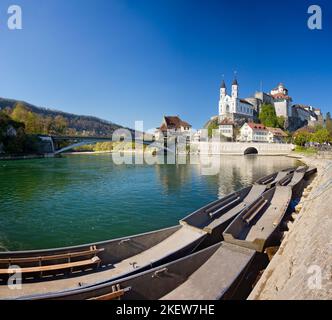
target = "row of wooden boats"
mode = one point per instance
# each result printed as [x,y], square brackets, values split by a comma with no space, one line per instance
[209,255]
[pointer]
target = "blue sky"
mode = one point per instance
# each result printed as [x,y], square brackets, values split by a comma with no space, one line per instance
[127,60]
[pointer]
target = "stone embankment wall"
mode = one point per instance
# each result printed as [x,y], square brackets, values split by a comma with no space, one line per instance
[302,268]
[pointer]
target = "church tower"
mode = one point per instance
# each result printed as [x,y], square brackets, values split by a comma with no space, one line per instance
[235,89]
[223,90]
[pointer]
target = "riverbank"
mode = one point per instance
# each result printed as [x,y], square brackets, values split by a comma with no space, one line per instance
[302,267]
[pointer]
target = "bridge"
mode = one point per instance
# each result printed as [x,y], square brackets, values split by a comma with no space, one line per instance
[239,148]
[76,141]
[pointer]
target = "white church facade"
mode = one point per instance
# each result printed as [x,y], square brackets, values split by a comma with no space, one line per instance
[231,106]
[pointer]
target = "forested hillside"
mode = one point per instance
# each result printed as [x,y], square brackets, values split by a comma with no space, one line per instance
[42,120]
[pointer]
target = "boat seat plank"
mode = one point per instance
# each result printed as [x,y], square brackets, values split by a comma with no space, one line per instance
[256,210]
[50,258]
[233,202]
[225,217]
[54,267]
[255,192]
[222,203]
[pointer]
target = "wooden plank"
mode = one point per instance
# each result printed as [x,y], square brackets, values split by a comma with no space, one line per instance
[222,203]
[253,215]
[250,210]
[116,293]
[235,201]
[49,258]
[55,267]
[110,296]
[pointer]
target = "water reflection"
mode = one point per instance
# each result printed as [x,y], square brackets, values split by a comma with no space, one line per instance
[228,173]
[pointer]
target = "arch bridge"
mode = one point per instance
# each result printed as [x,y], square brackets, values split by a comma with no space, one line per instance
[245,148]
[76,141]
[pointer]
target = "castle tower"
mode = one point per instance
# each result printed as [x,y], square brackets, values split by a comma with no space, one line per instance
[235,89]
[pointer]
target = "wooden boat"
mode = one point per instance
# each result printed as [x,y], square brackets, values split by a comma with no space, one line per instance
[72,268]
[215,217]
[48,271]
[297,180]
[218,272]
[254,227]
[274,178]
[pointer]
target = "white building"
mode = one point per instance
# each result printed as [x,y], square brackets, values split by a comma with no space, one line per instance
[231,106]
[173,126]
[282,101]
[226,128]
[276,135]
[253,132]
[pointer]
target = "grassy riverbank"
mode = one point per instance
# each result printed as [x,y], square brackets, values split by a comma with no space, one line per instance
[306,248]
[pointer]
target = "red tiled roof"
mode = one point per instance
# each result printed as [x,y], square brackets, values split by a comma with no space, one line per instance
[256,126]
[277,132]
[227,121]
[281,96]
[173,122]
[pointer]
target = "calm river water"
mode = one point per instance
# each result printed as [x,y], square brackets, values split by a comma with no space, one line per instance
[85,198]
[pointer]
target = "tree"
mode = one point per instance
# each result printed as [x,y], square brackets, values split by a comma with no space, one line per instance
[33,122]
[267,116]
[281,122]
[12,135]
[329,123]
[321,136]
[60,125]
[301,137]
[214,125]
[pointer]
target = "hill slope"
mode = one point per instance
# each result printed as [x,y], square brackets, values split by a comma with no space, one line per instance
[86,125]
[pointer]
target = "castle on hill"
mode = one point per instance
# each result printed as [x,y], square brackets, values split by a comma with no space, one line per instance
[236,110]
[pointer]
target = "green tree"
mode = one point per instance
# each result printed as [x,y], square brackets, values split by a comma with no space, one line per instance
[214,125]
[33,122]
[12,135]
[281,122]
[302,137]
[321,136]
[329,123]
[59,125]
[267,116]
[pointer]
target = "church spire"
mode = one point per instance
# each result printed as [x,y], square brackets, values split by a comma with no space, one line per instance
[223,85]
[235,83]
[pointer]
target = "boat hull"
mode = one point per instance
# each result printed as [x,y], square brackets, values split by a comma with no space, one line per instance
[170,281]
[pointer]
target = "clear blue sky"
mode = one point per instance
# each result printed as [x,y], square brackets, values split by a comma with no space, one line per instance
[127,60]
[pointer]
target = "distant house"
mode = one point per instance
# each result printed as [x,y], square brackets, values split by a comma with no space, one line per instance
[173,126]
[226,128]
[253,132]
[276,135]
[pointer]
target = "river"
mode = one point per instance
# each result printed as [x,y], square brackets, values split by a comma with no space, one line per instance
[78,199]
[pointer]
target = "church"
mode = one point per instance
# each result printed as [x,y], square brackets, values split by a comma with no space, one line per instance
[233,108]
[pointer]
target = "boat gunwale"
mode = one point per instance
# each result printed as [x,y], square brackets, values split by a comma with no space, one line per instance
[113,282]
[101,243]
